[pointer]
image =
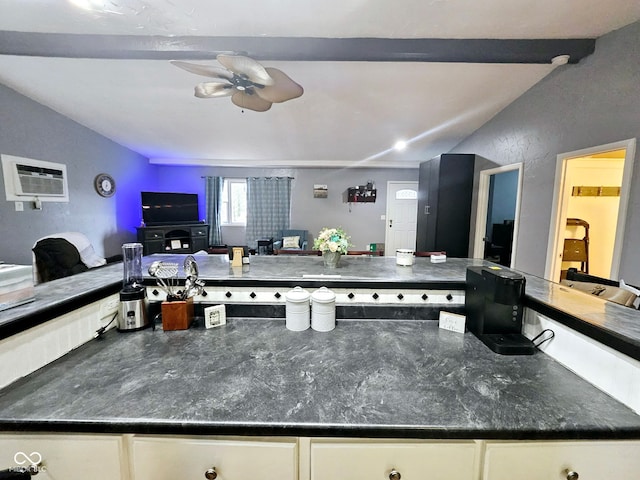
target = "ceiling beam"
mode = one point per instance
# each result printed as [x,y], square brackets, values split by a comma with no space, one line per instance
[294,48]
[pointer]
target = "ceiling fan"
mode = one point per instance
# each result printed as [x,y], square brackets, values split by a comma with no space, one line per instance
[249,84]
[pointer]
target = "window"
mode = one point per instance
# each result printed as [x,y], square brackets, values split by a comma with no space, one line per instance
[234,201]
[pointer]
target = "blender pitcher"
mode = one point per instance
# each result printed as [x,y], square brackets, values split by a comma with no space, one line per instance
[133,296]
[132,261]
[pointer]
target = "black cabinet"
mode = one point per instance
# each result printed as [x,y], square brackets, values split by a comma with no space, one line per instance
[444,204]
[174,238]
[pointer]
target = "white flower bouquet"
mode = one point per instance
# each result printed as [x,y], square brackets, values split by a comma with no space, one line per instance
[332,240]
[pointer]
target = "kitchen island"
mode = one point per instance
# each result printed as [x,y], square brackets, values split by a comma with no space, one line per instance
[405,379]
[150,404]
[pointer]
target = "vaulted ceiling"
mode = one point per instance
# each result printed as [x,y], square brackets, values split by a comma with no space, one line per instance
[373,71]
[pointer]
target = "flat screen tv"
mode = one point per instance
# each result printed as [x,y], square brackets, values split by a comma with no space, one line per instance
[165,208]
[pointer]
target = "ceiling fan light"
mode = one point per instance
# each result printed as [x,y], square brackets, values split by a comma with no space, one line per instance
[241,65]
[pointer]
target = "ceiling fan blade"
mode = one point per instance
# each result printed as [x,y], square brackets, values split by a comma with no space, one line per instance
[250,101]
[246,66]
[213,90]
[206,70]
[283,88]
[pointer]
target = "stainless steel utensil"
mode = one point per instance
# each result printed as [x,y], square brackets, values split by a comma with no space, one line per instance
[167,271]
[154,268]
[190,267]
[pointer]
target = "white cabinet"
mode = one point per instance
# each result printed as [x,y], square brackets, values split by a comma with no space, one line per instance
[390,459]
[145,457]
[171,458]
[69,457]
[589,460]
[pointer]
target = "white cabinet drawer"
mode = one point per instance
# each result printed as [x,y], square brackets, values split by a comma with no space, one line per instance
[591,460]
[69,457]
[158,458]
[374,460]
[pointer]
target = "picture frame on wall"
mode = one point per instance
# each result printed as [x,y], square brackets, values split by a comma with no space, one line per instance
[320,191]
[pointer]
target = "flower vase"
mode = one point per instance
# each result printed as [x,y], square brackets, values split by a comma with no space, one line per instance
[331,259]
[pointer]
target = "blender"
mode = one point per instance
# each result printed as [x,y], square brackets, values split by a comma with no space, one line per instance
[133,296]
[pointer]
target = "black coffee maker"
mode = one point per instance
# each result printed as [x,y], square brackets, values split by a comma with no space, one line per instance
[493,304]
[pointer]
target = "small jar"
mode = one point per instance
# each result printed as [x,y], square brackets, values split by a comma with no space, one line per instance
[404,257]
[323,311]
[297,309]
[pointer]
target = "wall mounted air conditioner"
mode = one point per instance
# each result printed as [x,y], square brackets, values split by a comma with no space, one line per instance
[28,179]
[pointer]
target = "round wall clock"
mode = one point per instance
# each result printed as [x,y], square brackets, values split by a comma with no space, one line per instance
[105,185]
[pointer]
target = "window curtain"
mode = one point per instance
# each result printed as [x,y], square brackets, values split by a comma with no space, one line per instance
[268,207]
[213,198]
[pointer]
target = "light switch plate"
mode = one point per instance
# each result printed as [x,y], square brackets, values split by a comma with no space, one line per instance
[215,316]
[452,321]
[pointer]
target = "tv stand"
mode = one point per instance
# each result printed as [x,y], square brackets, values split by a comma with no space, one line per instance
[180,238]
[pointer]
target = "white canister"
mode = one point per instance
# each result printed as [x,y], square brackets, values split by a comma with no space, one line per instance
[297,309]
[323,310]
[404,257]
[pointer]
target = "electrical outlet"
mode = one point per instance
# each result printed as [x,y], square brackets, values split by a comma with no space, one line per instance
[215,316]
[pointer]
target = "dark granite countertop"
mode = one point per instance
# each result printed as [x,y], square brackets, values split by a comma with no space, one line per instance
[613,325]
[403,379]
[61,296]
[609,323]
[309,270]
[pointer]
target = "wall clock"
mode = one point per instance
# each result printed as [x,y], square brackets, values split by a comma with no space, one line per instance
[105,185]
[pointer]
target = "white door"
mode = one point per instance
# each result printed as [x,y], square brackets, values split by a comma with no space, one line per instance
[401,217]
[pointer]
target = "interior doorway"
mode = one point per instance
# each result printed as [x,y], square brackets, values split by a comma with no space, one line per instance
[591,196]
[401,216]
[498,214]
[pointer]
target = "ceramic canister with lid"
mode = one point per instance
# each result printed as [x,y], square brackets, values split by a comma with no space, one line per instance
[323,310]
[297,309]
[404,256]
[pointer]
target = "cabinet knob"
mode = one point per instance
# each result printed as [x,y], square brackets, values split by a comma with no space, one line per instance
[394,475]
[571,475]
[211,474]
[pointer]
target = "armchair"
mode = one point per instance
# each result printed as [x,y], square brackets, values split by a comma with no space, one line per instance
[285,240]
[63,254]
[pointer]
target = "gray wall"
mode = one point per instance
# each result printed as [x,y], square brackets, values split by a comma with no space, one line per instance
[578,106]
[28,129]
[361,221]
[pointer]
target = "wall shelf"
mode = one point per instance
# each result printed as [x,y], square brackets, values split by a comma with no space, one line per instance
[360,194]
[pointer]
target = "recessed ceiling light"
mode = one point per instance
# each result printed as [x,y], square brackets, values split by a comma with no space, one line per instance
[560,60]
[400,145]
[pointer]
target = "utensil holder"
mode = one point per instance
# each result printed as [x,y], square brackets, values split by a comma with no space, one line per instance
[177,315]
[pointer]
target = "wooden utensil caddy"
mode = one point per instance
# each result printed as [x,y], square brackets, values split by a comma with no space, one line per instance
[177,315]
